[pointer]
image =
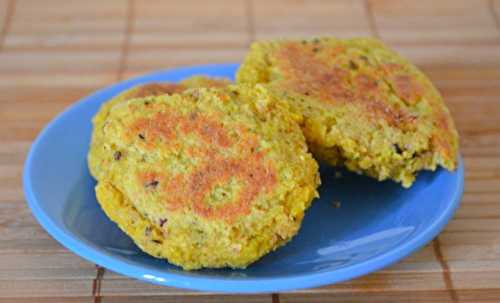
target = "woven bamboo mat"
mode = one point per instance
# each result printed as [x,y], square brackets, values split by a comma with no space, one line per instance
[54,52]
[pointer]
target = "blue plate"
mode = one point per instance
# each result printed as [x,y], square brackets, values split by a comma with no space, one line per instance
[377,224]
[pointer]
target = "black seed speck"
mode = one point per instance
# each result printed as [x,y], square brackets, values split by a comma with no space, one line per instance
[304,42]
[157,241]
[353,65]
[141,136]
[397,148]
[117,155]
[307,93]
[146,103]
[163,221]
[152,184]
[315,40]
[316,49]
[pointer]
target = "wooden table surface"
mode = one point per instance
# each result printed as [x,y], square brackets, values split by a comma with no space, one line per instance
[54,52]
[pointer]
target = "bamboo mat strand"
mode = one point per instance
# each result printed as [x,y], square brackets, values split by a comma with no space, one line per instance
[54,52]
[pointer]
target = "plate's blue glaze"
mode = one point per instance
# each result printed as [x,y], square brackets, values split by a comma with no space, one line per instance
[377,224]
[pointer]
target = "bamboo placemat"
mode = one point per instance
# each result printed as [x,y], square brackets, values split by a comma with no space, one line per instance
[54,52]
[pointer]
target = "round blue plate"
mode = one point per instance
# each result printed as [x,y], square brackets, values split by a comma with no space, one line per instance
[377,224]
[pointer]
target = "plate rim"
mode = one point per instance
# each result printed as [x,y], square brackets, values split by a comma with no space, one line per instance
[252,285]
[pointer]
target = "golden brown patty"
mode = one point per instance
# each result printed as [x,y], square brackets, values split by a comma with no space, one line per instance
[205,178]
[147,90]
[362,104]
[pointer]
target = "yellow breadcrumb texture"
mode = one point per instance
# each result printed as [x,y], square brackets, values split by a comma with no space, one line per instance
[212,178]
[147,90]
[362,105]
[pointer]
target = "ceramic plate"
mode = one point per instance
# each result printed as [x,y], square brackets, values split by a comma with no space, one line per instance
[377,223]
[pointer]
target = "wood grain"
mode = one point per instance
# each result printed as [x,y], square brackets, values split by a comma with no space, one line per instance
[62,42]
[479,295]
[468,80]
[7,10]
[190,36]
[54,52]
[36,288]
[188,26]
[310,18]
[450,55]
[3,16]
[435,22]
[146,60]
[202,298]
[67,25]
[384,296]
[60,299]
[496,11]
[58,66]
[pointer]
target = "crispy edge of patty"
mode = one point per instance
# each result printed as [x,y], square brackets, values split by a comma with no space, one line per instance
[259,67]
[109,194]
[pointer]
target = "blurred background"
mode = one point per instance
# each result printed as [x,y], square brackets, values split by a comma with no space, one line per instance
[54,52]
